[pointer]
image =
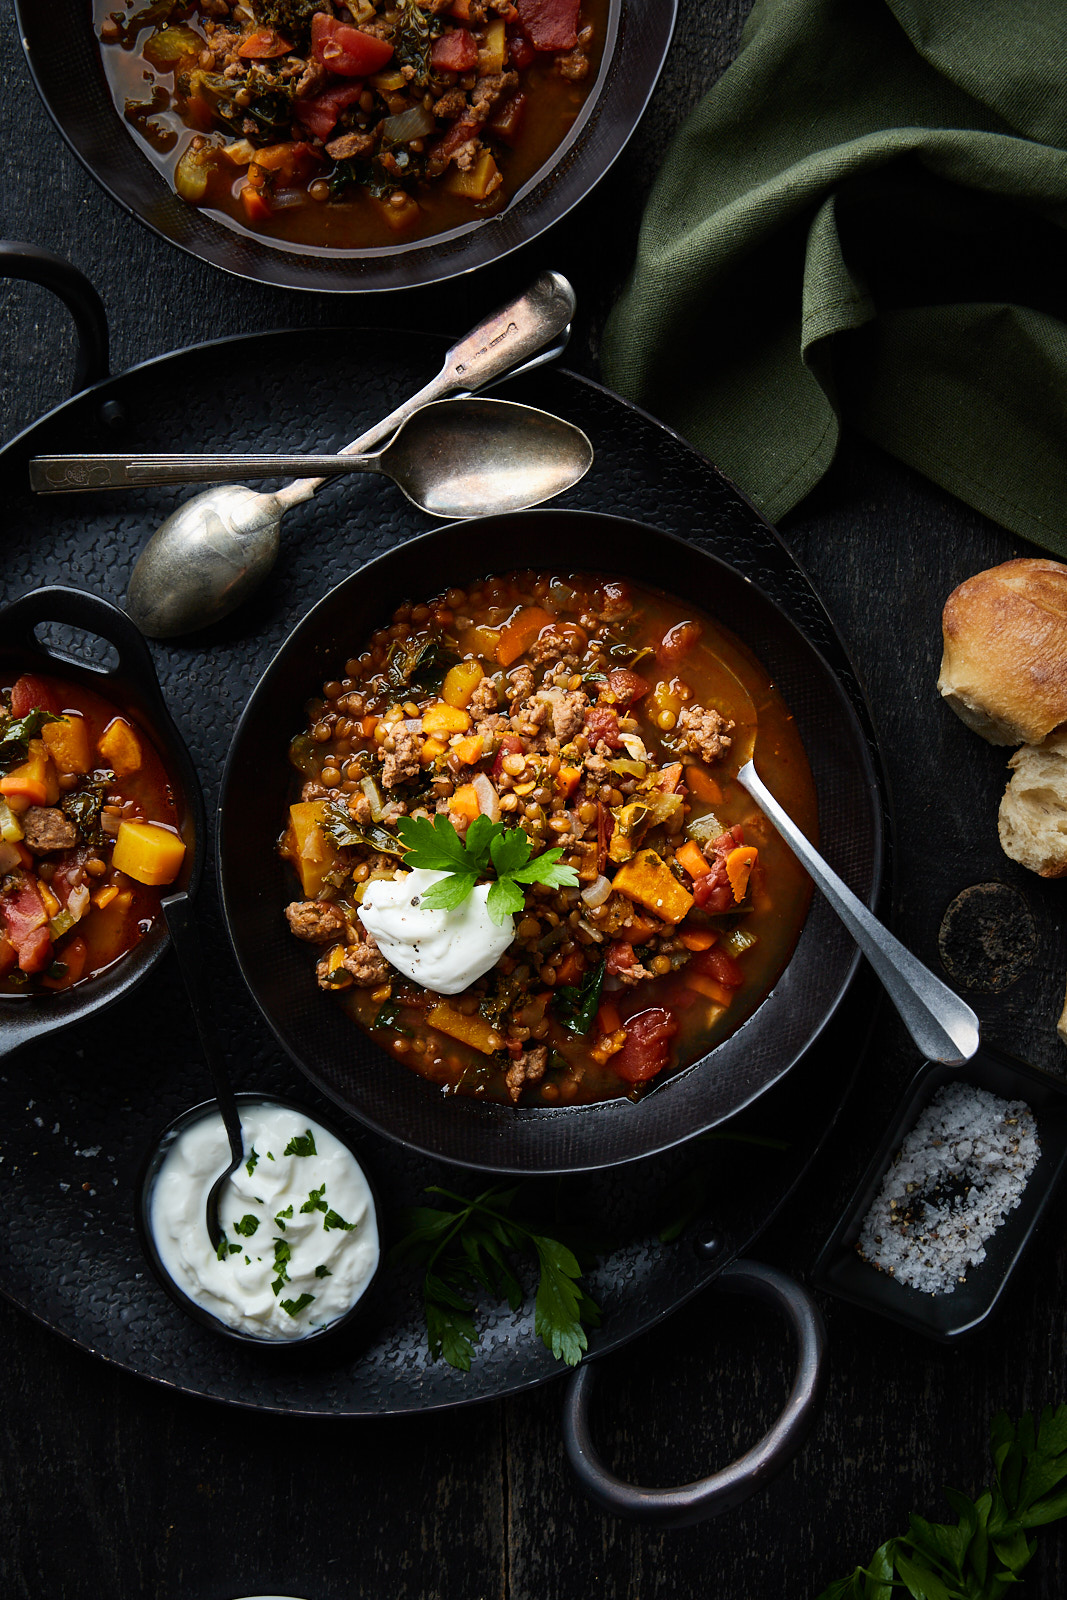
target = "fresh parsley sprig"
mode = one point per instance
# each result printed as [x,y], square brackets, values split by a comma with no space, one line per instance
[465,1245]
[980,1556]
[489,847]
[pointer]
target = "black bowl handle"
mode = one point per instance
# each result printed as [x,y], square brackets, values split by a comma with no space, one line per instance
[688,1503]
[92,614]
[29,261]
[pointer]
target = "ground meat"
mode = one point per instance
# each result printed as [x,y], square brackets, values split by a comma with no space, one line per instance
[310,81]
[574,66]
[317,921]
[401,764]
[366,964]
[46,828]
[467,154]
[313,790]
[520,683]
[451,105]
[568,711]
[484,701]
[359,810]
[549,647]
[704,732]
[350,146]
[529,1068]
[487,92]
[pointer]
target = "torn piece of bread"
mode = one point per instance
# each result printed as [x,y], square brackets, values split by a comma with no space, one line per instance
[1004,667]
[1061,1026]
[1033,813]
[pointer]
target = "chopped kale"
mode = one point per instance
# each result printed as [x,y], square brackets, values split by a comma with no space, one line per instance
[82,807]
[576,1006]
[412,39]
[16,733]
[346,832]
[291,17]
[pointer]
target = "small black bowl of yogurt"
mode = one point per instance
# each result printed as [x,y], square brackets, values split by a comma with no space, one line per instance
[301,1247]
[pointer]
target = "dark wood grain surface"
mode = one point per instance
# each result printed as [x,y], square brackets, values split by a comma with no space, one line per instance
[115,1487]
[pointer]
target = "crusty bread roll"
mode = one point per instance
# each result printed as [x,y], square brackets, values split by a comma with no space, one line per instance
[1033,813]
[1004,668]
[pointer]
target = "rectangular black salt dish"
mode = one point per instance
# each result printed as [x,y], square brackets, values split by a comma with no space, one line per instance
[841,1271]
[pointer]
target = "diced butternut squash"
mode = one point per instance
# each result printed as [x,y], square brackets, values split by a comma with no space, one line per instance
[465,802]
[470,749]
[698,939]
[312,852]
[34,782]
[739,864]
[480,641]
[441,719]
[148,852]
[567,780]
[120,749]
[519,634]
[461,682]
[475,1031]
[703,786]
[493,53]
[431,749]
[479,181]
[397,217]
[708,987]
[691,857]
[649,880]
[69,745]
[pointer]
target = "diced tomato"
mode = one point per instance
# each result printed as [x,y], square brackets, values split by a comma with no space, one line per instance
[676,641]
[29,692]
[648,1045]
[550,24]
[263,45]
[349,52]
[521,51]
[627,687]
[510,745]
[715,898]
[455,52]
[601,722]
[319,114]
[620,957]
[458,134]
[715,963]
[25,923]
[508,121]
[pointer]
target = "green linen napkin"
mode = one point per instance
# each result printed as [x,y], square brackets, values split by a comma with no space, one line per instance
[864,222]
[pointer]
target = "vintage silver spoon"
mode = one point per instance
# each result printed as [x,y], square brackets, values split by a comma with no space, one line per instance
[453,458]
[943,1026]
[210,554]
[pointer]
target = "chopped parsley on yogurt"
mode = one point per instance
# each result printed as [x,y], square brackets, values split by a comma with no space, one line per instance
[300,1235]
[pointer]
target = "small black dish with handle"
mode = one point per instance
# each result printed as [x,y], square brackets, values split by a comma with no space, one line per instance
[841,1271]
[128,679]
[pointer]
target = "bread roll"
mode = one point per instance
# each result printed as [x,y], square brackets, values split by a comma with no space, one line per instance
[1004,668]
[1033,813]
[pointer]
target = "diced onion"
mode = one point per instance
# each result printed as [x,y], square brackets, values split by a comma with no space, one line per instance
[415,123]
[190,176]
[374,799]
[593,932]
[488,799]
[597,892]
[706,827]
[10,826]
[78,901]
[634,746]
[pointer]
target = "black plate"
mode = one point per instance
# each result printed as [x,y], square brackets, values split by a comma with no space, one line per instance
[64,59]
[78,1111]
[947,1317]
[319,1035]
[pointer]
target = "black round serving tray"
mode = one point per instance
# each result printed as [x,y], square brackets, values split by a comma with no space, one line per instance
[79,1109]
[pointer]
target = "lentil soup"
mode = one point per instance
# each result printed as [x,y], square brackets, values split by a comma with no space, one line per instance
[606,720]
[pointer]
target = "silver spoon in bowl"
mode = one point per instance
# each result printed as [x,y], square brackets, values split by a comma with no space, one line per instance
[453,458]
[208,556]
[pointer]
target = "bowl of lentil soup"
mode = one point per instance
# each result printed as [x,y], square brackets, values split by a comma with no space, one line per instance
[100,811]
[372,152]
[679,971]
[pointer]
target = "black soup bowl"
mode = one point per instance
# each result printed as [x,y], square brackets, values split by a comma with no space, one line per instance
[41,632]
[328,1046]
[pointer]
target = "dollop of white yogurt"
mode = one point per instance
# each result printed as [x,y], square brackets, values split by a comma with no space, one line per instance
[443,950]
[300,1231]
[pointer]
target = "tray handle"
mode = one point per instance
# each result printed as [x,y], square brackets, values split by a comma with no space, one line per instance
[688,1503]
[28,261]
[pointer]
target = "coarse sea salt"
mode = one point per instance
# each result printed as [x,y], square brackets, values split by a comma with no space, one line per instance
[955,1178]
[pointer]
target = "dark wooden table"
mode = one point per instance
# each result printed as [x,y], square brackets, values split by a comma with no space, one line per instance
[116,1487]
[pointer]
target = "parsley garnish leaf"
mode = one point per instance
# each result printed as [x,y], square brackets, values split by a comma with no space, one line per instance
[247,1225]
[252,1162]
[467,1245]
[489,846]
[294,1307]
[314,1201]
[332,1220]
[301,1144]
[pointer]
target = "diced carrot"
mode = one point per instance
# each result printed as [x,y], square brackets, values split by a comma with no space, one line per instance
[103,897]
[263,45]
[703,786]
[691,857]
[708,988]
[48,899]
[699,939]
[33,782]
[367,726]
[517,635]
[465,802]
[567,780]
[640,931]
[256,208]
[739,864]
[469,749]
[608,1019]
